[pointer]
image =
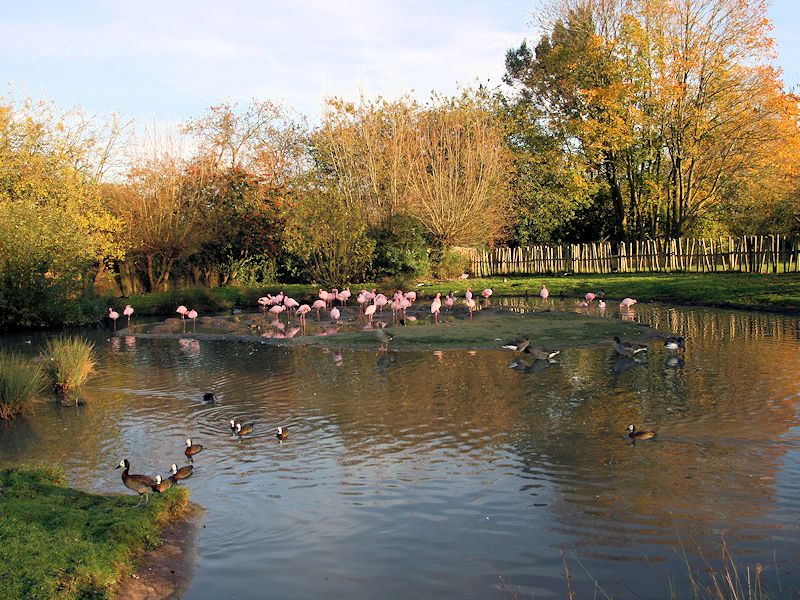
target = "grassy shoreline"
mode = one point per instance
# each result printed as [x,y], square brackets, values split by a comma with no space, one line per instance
[772,292]
[60,542]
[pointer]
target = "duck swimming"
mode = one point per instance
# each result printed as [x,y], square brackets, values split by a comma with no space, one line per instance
[192,449]
[182,473]
[640,435]
[283,433]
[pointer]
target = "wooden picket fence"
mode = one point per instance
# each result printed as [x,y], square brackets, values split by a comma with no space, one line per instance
[750,254]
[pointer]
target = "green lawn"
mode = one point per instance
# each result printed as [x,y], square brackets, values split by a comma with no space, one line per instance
[736,290]
[59,542]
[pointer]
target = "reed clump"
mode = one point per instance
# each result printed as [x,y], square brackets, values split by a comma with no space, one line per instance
[21,382]
[69,363]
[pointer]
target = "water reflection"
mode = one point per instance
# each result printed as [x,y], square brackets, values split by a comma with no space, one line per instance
[429,473]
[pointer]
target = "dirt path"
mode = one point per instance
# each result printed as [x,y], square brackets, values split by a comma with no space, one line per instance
[166,571]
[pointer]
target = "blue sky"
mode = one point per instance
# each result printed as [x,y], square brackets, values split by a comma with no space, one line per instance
[170,60]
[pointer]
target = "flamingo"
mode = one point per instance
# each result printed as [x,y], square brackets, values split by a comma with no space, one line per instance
[302,310]
[262,303]
[361,299]
[318,305]
[627,303]
[335,314]
[601,304]
[590,296]
[128,312]
[370,310]
[182,310]
[583,304]
[324,296]
[113,315]
[411,296]
[436,305]
[345,295]
[405,304]
[192,314]
[468,294]
[449,301]
[395,306]
[277,310]
[381,301]
[544,293]
[486,293]
[470,305]
[290,303]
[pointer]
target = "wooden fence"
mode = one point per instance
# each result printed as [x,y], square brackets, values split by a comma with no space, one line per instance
[751,254]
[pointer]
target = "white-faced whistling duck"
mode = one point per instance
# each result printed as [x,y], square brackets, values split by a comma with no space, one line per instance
[209,397]
[283,433]
[182,473]
[640,435]
[192,449]
[141,484]
[542,354]
[518,345]
[233,426]
[675,342]
[162,486]
[244,429]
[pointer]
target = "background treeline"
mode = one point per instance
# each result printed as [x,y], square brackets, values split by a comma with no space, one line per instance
[625,120]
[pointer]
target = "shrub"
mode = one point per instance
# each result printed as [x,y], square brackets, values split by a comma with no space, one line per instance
[401,249]
[20,383]
[69,362]
[452,264]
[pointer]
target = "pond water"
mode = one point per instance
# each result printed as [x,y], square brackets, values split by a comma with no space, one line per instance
[447,474]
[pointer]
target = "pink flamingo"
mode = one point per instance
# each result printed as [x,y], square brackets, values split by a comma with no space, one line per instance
[449,301]
[113,315]
[192,314]
[412,296]
[290,303]
[324,296]
[627,303]
[345,295]
[395,306]
[468,294]
[128,312]
[470,305]
[405,304]
[381,301]
[436,306]
[544,293]
[361,299]
[182,310]
[262,303]
[335,314]
[302,310]
[486,293]
[370,310]
[583,304]
[277,310]
[590,296]
[318,305]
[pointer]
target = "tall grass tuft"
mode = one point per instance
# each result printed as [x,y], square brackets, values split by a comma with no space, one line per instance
[69,362]
[20,383]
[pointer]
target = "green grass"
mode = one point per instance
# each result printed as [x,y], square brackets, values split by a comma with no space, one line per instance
[21,382]
[69,362]
[733,290]
[59,542]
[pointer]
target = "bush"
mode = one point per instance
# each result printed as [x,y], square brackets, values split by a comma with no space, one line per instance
[401,249]
[69,363]
[20,383]
[452,264]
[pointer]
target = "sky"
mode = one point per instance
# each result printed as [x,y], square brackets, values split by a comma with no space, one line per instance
[169,61]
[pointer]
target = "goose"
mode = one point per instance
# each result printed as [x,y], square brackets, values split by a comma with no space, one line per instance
[192,449]
[141,484]
[244,429]
[542,354]
[640,435]
[283,433]
[676,343]
[161,486]
[518,345]
[628,348]
[179,474]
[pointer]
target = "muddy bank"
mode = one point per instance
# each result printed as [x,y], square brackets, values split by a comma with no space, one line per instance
[165,572]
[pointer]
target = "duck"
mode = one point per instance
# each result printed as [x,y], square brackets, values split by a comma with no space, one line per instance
[676,342]
[521,344]
[283,433]
[628,348]
[244,429]
[192,449]
[383,337]
[209,397]
[141,484]
[640,435]
[161,486]
[180,474]
[542,354]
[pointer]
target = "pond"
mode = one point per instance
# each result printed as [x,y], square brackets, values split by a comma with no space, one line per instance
[447,474]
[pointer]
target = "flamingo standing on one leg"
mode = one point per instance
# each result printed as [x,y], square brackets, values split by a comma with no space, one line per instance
[470,305]
[128,312]
[113,315]
[436,306]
